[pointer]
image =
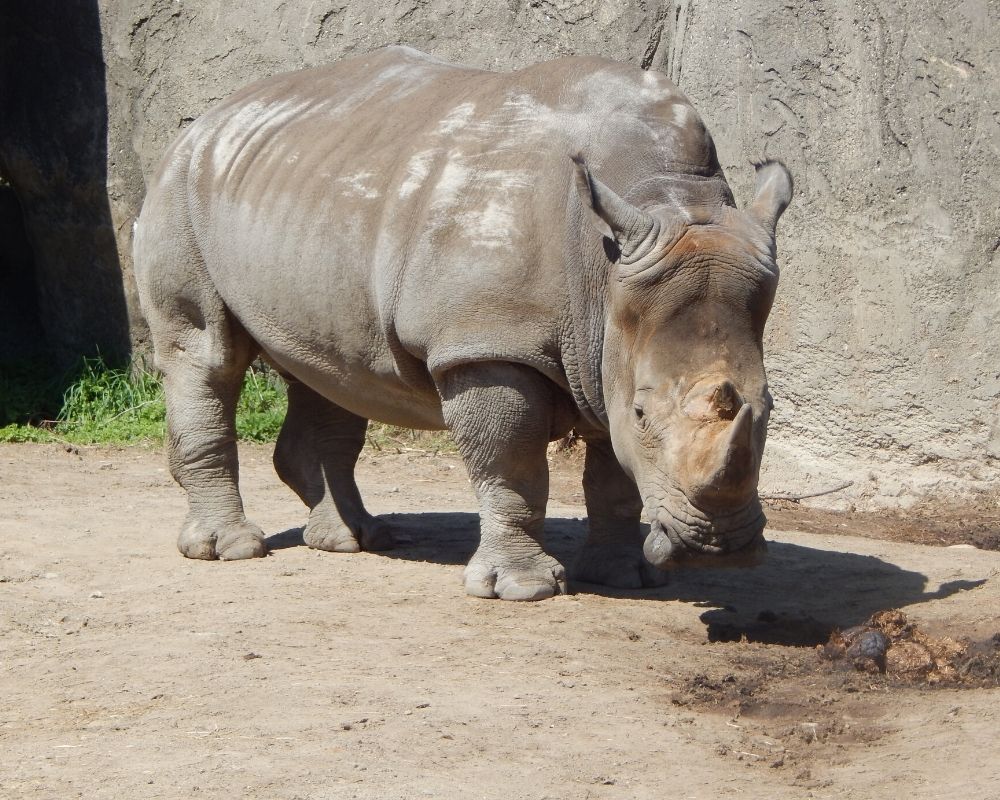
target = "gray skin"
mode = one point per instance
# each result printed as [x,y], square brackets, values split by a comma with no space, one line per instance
[427,245]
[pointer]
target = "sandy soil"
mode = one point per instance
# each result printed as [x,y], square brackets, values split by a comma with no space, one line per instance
[129,672]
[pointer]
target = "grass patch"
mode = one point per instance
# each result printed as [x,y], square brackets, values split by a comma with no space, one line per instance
[117,405]
[262,406]
[105,404]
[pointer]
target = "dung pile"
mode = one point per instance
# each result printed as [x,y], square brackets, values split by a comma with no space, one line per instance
[889,643]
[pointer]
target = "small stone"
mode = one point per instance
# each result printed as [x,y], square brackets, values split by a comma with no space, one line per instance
[345,726]
[251,656]
[96,595]
[808,731]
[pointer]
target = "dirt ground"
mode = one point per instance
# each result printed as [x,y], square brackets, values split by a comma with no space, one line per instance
[129,672]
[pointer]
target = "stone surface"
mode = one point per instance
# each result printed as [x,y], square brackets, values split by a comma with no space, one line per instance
[882,348]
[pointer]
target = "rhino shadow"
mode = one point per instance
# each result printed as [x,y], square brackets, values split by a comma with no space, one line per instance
[798,596]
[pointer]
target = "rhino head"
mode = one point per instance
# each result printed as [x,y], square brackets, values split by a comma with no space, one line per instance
[682,366]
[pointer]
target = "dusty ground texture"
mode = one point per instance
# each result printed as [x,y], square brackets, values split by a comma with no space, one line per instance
[127,671]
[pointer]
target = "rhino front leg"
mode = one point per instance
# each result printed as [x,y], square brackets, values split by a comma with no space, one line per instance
[612,554]
[501,416]
[315,455]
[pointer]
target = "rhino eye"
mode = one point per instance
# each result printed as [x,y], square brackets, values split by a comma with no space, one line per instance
[639,413]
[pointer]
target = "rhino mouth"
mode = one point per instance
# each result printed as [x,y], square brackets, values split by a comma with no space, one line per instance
[680,534]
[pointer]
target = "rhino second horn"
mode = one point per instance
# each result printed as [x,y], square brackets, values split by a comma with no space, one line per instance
[725,400]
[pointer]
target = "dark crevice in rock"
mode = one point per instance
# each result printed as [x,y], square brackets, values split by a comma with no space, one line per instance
[53,152]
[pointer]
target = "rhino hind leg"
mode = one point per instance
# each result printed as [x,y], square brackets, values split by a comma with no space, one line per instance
[500,415]
[612,554]
[315,455]
[203,355]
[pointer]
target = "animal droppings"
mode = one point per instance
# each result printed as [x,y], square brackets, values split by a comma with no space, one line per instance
[888,643]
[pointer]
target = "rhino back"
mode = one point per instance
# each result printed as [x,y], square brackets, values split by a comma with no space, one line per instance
[379,220]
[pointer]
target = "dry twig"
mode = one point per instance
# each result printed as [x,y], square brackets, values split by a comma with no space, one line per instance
[796,497]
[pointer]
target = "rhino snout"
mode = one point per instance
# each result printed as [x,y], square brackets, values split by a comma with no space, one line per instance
[689,537]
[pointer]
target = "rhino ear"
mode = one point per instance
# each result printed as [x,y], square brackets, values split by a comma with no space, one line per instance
[772,193]
[632,229]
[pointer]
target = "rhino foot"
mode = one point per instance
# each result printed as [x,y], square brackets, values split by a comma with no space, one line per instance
[537,579]
[619,566]
[228,543]
[335,536]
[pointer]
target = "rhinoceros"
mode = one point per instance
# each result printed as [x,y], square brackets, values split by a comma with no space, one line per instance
[508,256]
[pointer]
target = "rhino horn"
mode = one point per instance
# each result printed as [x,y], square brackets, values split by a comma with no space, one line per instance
[734,453]
[631,228]
[741,431]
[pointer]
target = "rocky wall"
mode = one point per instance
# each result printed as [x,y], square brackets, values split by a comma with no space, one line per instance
[882,348]
[53,155]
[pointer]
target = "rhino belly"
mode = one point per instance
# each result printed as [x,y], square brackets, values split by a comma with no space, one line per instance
[317,319]
[375,395]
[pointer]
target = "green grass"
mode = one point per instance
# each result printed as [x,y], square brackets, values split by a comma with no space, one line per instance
[122,405]
[105,404]
[262,406]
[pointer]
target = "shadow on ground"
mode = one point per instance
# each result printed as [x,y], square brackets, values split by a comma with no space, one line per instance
[797,597]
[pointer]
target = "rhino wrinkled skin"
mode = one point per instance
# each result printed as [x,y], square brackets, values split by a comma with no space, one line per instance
[505,255]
